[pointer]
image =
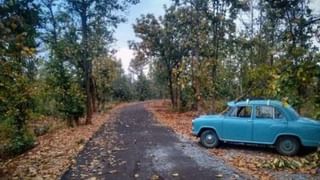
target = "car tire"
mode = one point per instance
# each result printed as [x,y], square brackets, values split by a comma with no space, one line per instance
[209,139]
[288,146]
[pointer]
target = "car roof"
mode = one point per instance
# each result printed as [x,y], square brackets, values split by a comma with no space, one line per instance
[287,108]
[255,102]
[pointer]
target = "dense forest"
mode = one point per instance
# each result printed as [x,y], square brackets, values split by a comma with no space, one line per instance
[209,51]
[57,58]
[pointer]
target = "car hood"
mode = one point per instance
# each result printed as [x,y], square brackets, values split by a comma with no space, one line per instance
[309,121]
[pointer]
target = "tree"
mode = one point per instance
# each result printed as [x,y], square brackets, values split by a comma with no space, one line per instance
[122,89]
[18,23]
[157,45]
[108,73]
[61,40]
[185,45]
[142,87]
[96,17]
[286,34]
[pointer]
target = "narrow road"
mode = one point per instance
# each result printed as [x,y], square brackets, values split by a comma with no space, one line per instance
[135,146]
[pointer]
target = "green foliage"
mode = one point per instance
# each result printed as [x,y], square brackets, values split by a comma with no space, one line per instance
[73,104]
[14,141]
[77,65]
[142,87]
[109,80]
[300,83]
[262,80]
[20,143]
[64,89]
[122,89]
[18,23]
[205,62]
[158,82]
[187,45]
[98,18]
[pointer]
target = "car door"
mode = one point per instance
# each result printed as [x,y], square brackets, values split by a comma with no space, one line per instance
[237,125]
[268,123]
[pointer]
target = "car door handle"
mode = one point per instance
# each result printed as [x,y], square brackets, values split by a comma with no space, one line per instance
[249,120]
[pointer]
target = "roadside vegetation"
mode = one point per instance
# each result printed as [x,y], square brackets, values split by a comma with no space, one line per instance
[205,53]
[55,151]
[57,65]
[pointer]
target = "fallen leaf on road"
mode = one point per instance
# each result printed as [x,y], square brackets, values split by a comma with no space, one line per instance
[113,171]
[154,177]
[175,174]
[122,162]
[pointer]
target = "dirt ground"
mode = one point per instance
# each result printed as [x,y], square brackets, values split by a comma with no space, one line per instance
[55,151]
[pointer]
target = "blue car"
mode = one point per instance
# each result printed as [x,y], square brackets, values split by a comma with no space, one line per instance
[267,122]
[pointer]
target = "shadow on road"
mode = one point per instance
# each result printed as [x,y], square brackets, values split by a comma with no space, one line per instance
[252,148]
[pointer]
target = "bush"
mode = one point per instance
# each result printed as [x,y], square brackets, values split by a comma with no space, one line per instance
[73,104]
[20,143]
[13,142]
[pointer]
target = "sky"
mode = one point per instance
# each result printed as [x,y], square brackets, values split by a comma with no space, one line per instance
[124,32]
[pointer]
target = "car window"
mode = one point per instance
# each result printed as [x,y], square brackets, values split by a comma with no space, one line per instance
[241,111]
[264,112]
[278,114]
[233,112]
[268,112]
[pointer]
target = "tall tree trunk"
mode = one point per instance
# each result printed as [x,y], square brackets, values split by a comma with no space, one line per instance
[195,83]
[171,88]
[197,62]
[88,94]
[179,107]
[94,94]
[87,66]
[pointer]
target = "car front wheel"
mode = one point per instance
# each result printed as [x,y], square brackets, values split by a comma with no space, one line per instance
[288,146]
[209,139]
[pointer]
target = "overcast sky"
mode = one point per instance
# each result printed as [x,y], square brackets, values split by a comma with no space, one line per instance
[124,32]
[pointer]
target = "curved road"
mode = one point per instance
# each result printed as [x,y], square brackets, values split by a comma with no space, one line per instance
[135,146]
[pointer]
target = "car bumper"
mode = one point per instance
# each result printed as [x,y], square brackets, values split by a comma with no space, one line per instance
[194,132]
[311,143]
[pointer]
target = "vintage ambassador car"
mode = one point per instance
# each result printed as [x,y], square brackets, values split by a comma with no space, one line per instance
[266,122]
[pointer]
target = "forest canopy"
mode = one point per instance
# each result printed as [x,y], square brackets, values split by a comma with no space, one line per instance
[212,51]
[57,61]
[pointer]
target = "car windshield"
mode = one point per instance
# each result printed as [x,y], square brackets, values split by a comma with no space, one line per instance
[227,111]
[293,112]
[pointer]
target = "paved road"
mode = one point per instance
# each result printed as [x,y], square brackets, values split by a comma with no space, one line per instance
[135,146]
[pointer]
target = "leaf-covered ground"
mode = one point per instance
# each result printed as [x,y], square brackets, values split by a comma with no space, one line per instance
[54,153]
[260,162]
